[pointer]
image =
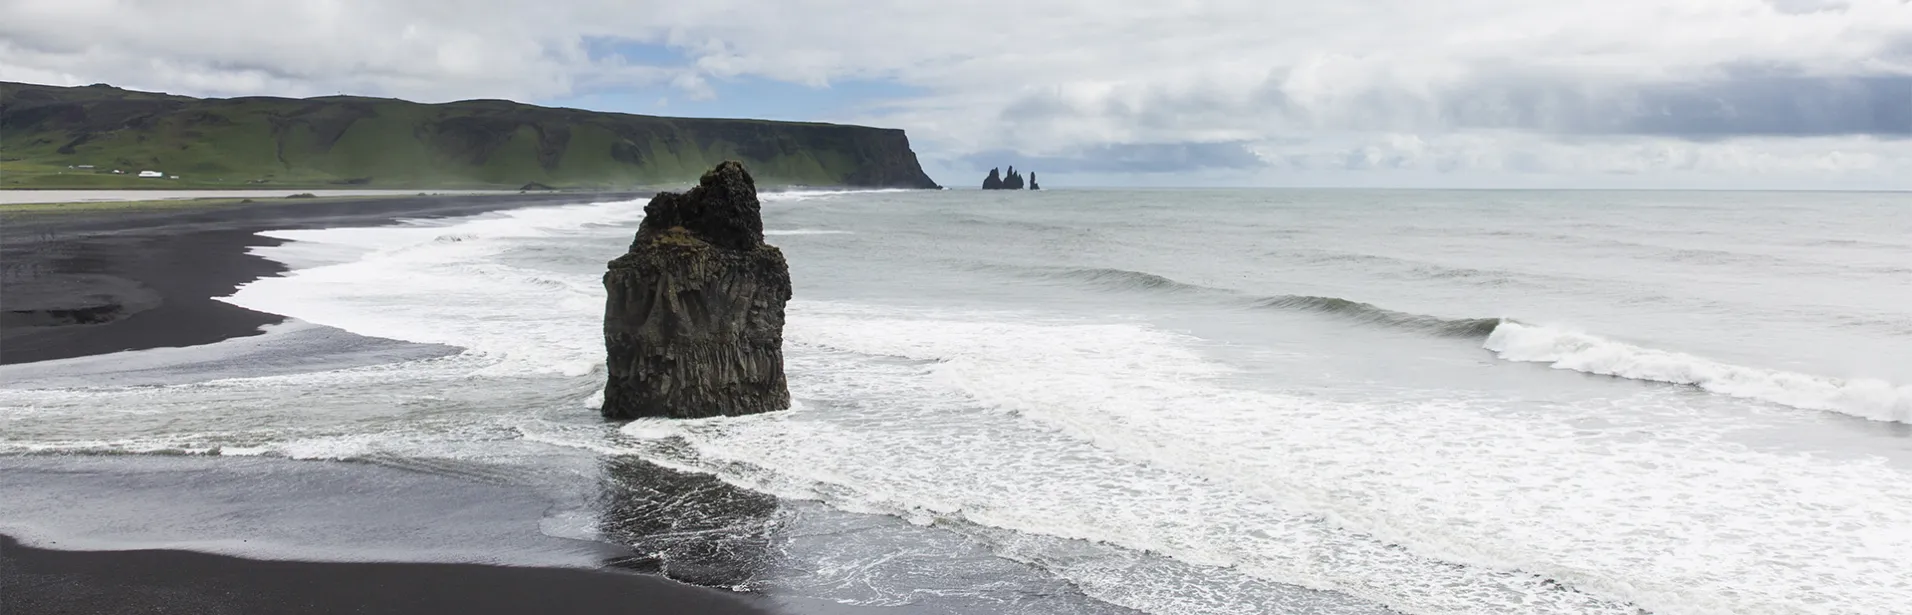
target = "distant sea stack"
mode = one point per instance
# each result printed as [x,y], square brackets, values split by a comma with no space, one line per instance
[693,320]
[1011,180]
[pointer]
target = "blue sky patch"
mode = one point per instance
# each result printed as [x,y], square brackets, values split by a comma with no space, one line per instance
[747,97]
[735,97]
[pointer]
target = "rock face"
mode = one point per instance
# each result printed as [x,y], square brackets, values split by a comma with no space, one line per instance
[693,320]
[1011,180]
[994,181]
[1032,181]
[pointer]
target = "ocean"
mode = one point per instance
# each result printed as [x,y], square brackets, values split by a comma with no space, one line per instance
[1135,401]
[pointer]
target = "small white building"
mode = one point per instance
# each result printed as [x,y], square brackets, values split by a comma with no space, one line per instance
[151,174]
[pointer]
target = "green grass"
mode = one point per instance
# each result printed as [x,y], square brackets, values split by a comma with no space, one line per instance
[95,206]
[345,142]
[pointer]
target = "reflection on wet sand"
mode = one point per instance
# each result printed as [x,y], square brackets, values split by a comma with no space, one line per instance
[689,527]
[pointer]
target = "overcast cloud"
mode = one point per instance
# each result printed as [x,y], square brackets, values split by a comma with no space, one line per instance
[1815,93]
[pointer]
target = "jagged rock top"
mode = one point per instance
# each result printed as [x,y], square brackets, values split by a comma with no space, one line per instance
[722,210]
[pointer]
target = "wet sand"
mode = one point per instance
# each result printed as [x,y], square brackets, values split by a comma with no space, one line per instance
[107,280]
[21,196]
[112,582]
[236,534]
[253,535]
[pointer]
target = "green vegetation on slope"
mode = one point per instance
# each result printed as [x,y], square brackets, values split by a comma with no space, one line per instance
[48,133]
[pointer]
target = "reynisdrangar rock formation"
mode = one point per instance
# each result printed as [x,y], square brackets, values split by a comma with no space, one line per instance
[1009,180]
[994,181]
[693,320]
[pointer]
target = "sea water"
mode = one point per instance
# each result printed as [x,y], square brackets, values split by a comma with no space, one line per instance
[1108,401]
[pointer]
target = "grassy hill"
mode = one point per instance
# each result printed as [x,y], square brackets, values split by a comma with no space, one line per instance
[47,133]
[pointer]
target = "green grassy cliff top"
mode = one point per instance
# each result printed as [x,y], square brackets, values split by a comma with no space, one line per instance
[48,133]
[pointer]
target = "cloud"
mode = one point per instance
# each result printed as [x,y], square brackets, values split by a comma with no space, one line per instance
[1107,86]
[1130,158]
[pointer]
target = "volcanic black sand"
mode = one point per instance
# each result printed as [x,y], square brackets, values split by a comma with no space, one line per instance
[116,514]
[43,581]
[107,279]
[334,536]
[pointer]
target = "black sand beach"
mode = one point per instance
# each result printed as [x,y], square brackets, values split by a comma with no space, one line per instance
[107,280]
[127,278]
[361,522]
[158,581]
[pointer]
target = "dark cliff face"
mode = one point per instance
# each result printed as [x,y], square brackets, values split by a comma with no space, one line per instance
[693,317]
[387,142]
[888,162]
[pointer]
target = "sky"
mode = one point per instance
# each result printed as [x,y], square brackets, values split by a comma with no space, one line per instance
[1812,94]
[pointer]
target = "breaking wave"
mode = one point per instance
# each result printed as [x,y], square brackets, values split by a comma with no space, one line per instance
[1371,314]
[1365,313]
[1123,279]
[1512,340]
[1872,399]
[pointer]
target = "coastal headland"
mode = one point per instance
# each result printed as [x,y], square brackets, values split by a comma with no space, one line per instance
[100,136]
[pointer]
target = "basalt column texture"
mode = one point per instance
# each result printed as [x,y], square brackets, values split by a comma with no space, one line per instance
[693,320]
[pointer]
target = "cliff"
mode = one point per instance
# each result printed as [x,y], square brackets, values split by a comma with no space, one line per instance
[693,313]
[51,134]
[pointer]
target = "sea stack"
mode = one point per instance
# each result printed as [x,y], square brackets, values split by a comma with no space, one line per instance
[1007,180]
[693,317]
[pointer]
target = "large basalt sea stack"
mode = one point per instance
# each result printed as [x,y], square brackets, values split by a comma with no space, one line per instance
[693,320]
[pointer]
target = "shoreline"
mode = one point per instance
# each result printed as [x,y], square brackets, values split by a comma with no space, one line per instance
[90,534]
[109,280]
[64,195]
[152,581]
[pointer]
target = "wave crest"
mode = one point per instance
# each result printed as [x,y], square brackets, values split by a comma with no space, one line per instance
[1365,313]
[1123,279]
[1371,314]
[1877,400]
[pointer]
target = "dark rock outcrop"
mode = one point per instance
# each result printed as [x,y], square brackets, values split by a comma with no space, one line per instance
[994,181]
[1010,180]
[1032,181]
[693,320]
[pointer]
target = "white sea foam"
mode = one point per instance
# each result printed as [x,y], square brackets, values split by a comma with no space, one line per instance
[1113,432]
[1873,399]
[445,284]
[1109,452]
[1121,434]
